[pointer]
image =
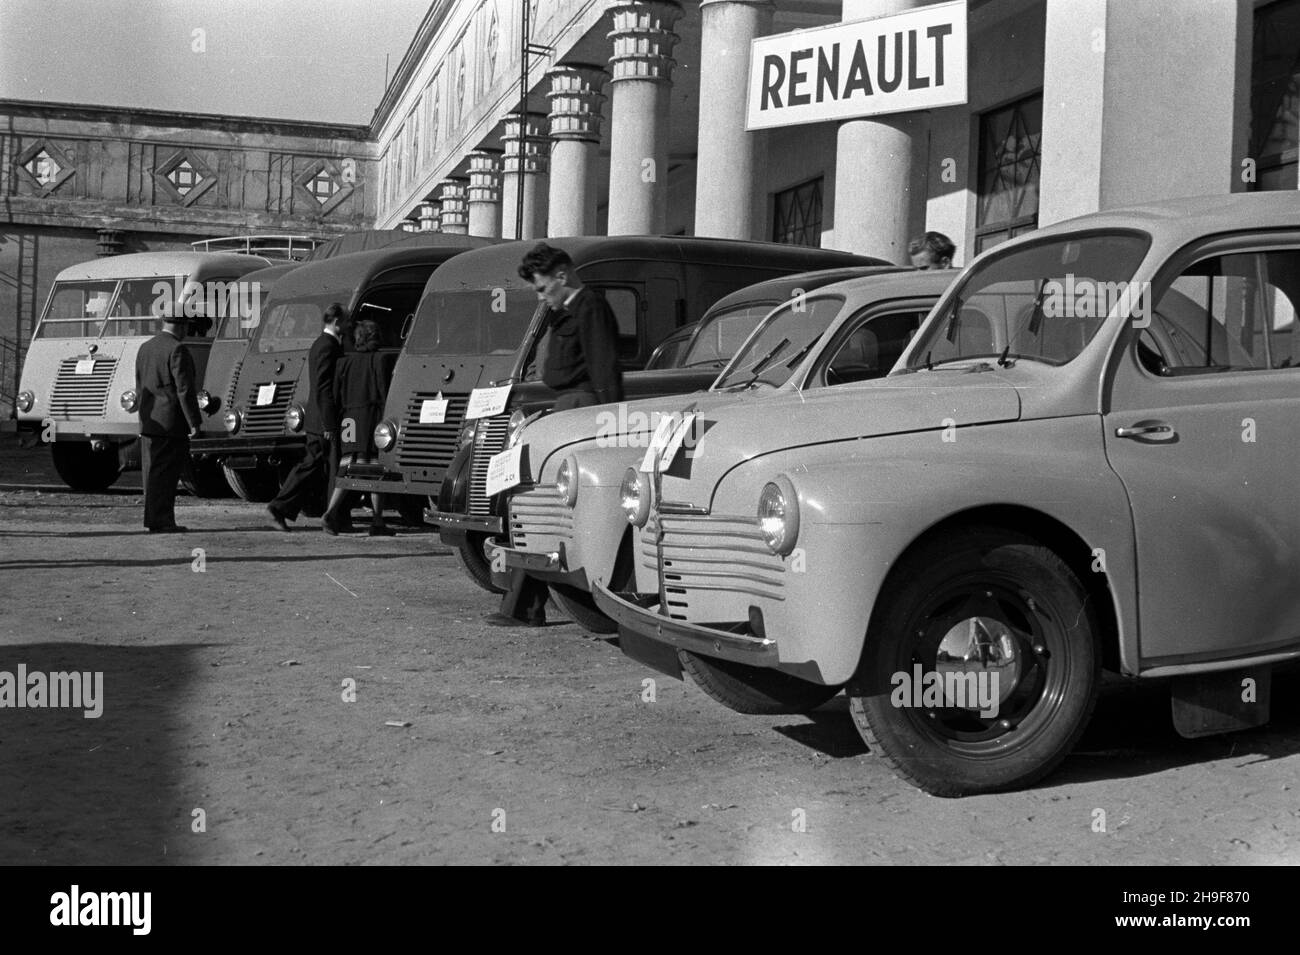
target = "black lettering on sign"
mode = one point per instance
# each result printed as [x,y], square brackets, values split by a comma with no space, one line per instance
[859,78]
[889,84]
[798,76]
[772,87]
[914,82]
[828,73]
[937,33]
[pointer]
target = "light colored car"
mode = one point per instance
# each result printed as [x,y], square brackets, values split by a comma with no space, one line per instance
[1086,457]
[830,334]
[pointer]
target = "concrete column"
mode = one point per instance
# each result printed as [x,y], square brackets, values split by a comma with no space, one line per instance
[731,174]
[454,215]
[428,217]
[880,165]
[576,97]
[484,193]
[642,66]
[1120,129]
[532,178]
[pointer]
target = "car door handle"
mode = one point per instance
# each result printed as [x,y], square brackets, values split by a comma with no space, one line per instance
[1139,430]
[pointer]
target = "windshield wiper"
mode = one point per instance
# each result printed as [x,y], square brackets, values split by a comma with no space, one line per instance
[1004,361]
[799,354]
[758,366]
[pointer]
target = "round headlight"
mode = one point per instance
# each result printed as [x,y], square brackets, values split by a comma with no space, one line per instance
[467,433]
[778,516]
[232,420]
[295,417]
[634,497]
[566,481]
[129,400]
[385,435]
[26,401]
[516,427]
[204,398]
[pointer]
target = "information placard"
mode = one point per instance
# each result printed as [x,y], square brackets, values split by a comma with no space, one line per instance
[503,470]
[485,402]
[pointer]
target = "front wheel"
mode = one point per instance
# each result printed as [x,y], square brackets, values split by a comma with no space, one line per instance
[82,468]
[981,668]
[758,691]
[581,608]
[258,485]
[472,554]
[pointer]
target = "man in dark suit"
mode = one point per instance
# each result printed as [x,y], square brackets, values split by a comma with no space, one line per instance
[579,359]
[169,417]
[321,461]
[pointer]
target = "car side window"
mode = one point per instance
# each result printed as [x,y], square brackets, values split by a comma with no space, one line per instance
[872,349]
[1226,313]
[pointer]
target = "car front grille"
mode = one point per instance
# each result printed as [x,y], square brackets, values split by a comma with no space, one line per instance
[540,522]
[430,445]
[710,553]
[264,420]
[81,396]
[489,439]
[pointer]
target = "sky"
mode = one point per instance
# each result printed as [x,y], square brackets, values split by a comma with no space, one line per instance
[316,60]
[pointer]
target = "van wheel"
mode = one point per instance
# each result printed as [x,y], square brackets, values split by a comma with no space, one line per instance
[472,554]
[205,479]
[981,610]
[258,485]
[82,468]
[758,691]
[579,606]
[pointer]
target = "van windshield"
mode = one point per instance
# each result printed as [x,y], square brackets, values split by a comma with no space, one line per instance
[1042,301]
[722,334]
[484,321]
[139,306]
[76,309]
[290,326]
[780,343]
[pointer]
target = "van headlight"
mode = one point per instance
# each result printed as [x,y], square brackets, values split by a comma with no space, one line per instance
[778,515]
[385,435]
[295,417]
[207,403]
[467,434]
[515,428]
[634,497]
[129,400]
[232,419]
[26,401]
[566,482]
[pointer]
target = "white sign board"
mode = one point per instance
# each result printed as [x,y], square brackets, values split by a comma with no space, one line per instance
[433,410]
[896,64]
[485,402]
[85,366]
[265,395]
[503,470]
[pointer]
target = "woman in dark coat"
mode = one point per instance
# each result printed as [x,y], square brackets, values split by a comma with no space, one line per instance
[361,381]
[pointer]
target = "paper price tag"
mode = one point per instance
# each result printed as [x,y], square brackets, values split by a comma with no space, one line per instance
[486,402]
[265,395]
[433,410]
[503,470]
[85,366]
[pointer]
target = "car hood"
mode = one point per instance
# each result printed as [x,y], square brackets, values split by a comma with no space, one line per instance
[929,401]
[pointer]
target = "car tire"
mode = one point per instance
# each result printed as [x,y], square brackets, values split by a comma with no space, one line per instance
[757,691]
[580,607]
[994,593]
[84,469]
[475,562]
[257,485]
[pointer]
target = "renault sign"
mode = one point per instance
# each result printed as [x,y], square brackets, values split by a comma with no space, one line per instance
[910,61]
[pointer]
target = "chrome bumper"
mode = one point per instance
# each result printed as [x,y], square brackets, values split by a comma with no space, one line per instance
[738,647]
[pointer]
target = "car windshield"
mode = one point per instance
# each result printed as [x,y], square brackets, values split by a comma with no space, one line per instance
[1043,301]
[723,334]
[76,309]
[774,351]
[484,321]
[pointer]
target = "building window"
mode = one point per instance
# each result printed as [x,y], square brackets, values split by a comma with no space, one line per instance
[323,186]
[43,168]
[1009,172]
[183,177]
[797,218]
[1275,95]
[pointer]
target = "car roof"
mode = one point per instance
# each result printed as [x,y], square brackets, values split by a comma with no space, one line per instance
[151,264]
[499,264]
[1187,217]
[344,274]
[899,284]
[785,287]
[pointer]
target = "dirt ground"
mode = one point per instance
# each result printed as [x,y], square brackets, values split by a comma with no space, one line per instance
[224,691]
